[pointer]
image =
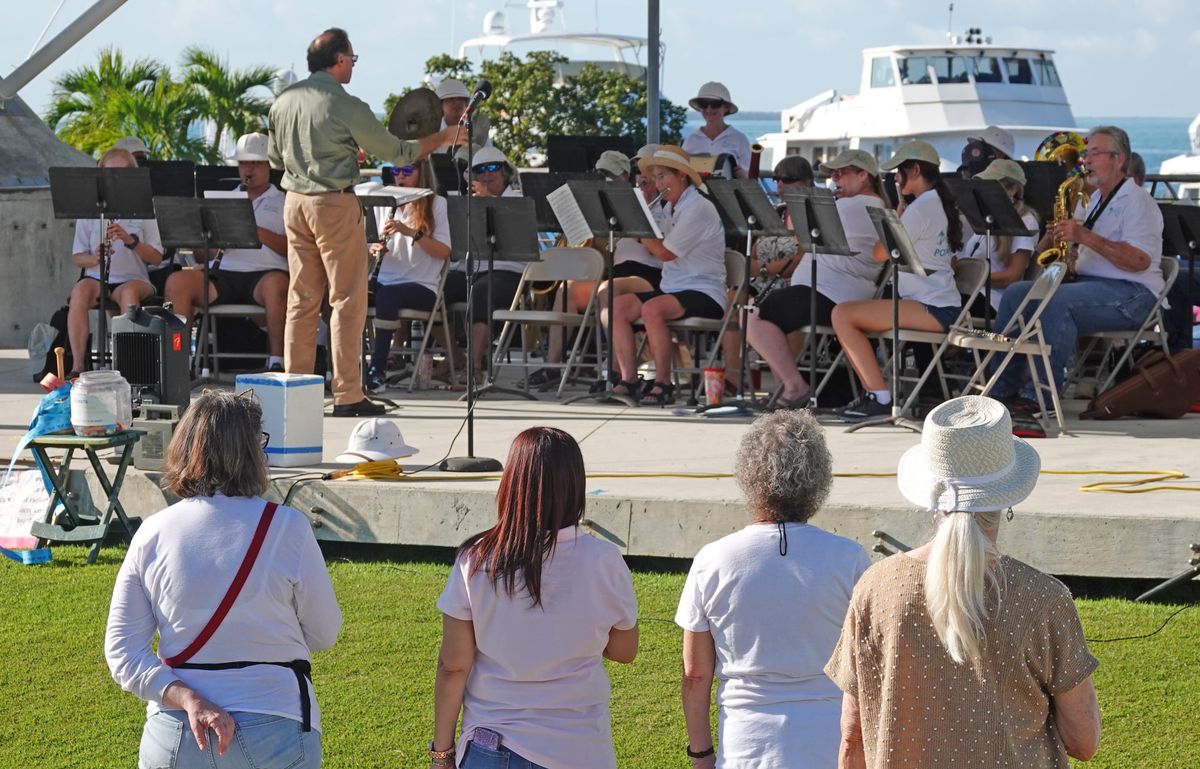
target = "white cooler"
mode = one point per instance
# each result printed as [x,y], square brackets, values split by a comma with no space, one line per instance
[293,407]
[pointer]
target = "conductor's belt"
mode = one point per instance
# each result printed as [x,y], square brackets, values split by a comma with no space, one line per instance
[301,668]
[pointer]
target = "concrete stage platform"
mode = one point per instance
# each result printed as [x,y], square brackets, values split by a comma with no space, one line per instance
[659,482]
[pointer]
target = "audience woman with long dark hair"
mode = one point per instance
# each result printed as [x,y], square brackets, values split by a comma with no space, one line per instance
[762,609]
[954,654]
[240,695]
[531,608]
[928,302]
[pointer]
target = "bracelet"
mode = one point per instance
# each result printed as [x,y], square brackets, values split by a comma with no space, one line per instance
[441,756]
[700,753]
[417,236]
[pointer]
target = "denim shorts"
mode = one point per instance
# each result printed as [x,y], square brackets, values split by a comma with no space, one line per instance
[260,742]
[944,315]
[478,757]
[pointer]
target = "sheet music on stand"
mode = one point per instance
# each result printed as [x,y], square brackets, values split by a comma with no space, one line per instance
[538,186]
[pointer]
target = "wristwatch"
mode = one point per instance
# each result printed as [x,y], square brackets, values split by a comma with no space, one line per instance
[136,241]
[701,753]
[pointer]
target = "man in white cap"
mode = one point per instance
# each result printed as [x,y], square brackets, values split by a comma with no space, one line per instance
[247,275]
[134,146]
[455,97]
[716,137]
[992,143]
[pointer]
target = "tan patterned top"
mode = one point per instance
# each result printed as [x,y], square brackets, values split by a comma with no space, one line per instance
[920,709]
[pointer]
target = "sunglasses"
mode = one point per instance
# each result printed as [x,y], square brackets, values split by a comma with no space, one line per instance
[266,438]
[709,103]
[487,168]
[404,170]
[787,180]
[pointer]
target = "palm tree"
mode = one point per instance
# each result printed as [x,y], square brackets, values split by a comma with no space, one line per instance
[229,103]
[165,117]
[80,109]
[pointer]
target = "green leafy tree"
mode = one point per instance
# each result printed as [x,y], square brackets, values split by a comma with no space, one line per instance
[81,110]
[228,93]
[165,117]
[530,101]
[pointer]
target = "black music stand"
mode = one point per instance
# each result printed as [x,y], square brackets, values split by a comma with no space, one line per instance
[204,224]
[172,178]
[1042,180]
[111,193]
[508,231]
[537,186]
[746,210]
[580,153]
[903,258]
[819,230]
[224,178]
[448,173]
[989,210]
[611,211]
[1181,237]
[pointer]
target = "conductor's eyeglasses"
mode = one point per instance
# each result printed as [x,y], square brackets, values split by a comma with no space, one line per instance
[709,103]
[487,168]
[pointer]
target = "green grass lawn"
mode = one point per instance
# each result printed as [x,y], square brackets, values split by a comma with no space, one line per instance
[61,709]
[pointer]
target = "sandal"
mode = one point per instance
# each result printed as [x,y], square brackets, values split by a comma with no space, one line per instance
[659,394]
[632,388]
[786,404]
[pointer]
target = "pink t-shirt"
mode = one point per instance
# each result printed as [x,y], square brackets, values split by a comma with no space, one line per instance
[538,679]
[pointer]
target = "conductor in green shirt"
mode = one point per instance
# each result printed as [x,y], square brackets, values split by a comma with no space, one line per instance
[316,129]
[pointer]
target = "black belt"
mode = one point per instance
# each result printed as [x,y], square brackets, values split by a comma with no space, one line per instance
[302,669]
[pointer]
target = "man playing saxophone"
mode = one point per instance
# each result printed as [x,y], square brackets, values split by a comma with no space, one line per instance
[1118,248]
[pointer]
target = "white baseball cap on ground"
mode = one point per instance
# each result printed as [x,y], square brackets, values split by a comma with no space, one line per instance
[373,440]
[251,147]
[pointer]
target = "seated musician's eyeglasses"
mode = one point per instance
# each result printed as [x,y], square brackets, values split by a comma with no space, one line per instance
[487,168]
[709,103]
[265,439]
[1093,153]
[404,170]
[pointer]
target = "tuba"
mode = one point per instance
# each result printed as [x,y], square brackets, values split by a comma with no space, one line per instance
[1065,148]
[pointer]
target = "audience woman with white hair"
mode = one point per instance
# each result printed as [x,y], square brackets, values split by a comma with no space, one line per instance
[954,654]
[762,608]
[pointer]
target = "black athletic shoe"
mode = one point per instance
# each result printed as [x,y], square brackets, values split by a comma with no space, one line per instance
[364,408]
[864,407]
[375,380]
[1026,426]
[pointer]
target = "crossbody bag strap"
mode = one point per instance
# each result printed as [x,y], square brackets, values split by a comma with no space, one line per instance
[239,581]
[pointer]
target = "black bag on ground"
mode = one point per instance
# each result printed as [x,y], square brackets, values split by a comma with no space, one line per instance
[1160,386]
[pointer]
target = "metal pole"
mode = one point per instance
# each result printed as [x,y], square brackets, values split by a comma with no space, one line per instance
[653,128]
[58,45]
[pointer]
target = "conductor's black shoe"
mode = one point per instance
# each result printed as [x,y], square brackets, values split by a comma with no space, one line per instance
[364,408]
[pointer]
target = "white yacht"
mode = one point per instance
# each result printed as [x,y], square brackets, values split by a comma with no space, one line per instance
[1186,165]
[941,94]
[548,32]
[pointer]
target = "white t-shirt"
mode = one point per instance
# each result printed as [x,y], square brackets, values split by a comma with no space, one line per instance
[268,214]
[845,278]
[925,221]
[976,248]
[774,621]
[1131,217]
[731,141]
[124,265]
[179,565]
[406,262]
[697,239]
[538,678]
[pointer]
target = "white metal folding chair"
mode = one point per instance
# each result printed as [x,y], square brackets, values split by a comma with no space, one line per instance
[208,353]
[435,316]
[697,329]
[1018,337]
[557,264]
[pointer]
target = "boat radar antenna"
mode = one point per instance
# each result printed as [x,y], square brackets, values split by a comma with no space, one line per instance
[950,24]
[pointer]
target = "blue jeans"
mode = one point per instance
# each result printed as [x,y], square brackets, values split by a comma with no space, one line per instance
[1083,307]
[260,742]
[478,757]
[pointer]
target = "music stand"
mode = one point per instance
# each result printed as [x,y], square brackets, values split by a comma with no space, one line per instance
[508,232]
[1181,237]
[538,186]
[989,210]
[206,223]
[111,193]
[1042,180]
[224,178]
[580,153]
[903,257]
[745,210]
[818,229]
[448,173]
[172,178]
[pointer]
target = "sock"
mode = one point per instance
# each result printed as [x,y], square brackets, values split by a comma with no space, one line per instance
[273,359]
[882,397]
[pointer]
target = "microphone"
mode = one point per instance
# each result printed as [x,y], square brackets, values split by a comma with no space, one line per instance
[483,89]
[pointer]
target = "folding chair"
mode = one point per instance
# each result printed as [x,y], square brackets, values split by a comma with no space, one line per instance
[1018,337]
[557,264]
[437,314]
[208,355]
[698,329]
[1104,343]
[970,275]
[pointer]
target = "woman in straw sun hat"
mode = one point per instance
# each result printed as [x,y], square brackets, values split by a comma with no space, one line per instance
[954,654]
[693,275]
[716,137]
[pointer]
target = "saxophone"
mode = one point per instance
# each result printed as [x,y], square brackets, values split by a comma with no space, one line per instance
[1065,201]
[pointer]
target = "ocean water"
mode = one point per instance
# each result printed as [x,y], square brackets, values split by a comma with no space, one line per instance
[1155,138]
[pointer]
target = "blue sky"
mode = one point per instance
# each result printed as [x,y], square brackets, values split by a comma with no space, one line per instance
[1116,57]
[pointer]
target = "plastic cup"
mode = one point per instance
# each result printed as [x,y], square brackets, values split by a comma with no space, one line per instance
[714,385]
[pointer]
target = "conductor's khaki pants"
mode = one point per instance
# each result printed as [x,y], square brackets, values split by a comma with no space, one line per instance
[327,247]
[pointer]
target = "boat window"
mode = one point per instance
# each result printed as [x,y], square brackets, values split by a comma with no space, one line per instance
[1047,73]
[1018,70]
[987,70]
[915,71]
[881,72]
[959,72]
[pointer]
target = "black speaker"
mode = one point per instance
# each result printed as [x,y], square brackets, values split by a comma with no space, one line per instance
[152,349]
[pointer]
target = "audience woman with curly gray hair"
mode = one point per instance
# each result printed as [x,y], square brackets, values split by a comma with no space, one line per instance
[762,609]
